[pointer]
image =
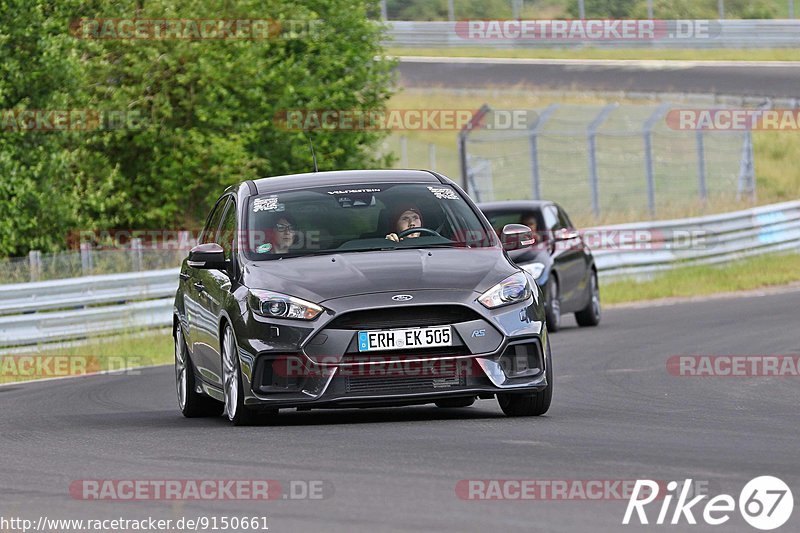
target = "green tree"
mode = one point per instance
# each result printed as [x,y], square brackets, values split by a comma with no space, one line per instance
[196,115]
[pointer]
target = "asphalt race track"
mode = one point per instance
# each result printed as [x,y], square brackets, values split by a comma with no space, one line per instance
[724,77]
[617,415]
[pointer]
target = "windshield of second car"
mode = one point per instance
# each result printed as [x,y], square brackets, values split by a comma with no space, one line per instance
[351,218]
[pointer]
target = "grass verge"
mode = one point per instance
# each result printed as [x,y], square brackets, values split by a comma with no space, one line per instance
[723,54]
[753,273]
[132,349]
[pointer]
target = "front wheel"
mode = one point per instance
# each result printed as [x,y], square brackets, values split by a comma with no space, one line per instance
[552,308]
[590,315]
[530,404]
[191,403]
[238,414]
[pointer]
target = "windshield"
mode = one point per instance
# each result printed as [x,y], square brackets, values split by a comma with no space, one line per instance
[338,219]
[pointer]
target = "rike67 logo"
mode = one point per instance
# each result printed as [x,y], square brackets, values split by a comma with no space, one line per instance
[765,503]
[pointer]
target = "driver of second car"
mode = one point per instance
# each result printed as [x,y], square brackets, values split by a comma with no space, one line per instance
[405,217]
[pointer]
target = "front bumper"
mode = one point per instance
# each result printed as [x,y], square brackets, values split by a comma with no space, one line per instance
[316,364]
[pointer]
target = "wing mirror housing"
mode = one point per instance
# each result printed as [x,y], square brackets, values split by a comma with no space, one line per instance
[516,237]
[209,256]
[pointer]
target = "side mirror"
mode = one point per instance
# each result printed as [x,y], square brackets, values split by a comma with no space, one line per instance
[565,234]
[516,237]
[208,256]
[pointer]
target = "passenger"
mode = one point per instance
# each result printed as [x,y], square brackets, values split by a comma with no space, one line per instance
[280,235]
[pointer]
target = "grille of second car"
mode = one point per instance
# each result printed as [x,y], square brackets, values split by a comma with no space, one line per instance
[405,316]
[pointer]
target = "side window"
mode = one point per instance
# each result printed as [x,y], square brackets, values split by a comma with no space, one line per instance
[550,218]
[227,231]
[210,231]
[563,219]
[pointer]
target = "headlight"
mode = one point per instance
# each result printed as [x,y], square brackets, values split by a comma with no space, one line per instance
[513,289]
[276,305]
[534,269]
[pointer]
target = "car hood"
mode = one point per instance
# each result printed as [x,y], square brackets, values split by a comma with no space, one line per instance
[325,277]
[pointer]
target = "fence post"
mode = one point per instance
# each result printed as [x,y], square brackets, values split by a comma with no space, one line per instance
[747,177]
[35,262]
[462,144]
[136,254]
[647,131]
[701,165]
[432,156]
[591,134]
[536,127]
[87,261]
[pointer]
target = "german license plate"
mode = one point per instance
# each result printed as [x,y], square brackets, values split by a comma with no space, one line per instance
[404,339]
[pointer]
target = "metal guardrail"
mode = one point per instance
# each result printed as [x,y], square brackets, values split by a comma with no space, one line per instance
[703,240]
[32,313]
[750,33]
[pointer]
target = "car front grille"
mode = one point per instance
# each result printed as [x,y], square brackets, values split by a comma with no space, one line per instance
[369,385]
[405,316]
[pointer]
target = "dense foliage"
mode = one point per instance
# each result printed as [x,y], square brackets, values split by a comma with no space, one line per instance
[179,119]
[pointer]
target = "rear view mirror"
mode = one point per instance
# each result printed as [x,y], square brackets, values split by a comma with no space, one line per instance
[516,237]
[207,256]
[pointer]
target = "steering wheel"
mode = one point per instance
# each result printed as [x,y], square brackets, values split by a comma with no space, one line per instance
[409,231]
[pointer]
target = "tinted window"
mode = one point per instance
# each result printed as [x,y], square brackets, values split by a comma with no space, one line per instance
[358,218]
[210,231]
[227,231]
[551,218]
[563,219]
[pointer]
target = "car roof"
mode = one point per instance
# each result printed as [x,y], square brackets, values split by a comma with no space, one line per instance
[513,205]
[343,177]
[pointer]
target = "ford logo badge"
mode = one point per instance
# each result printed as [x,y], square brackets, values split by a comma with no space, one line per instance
[402,297]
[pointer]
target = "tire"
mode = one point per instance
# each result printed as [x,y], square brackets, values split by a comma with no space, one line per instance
[590,315]
[531,404]
[191,403]
[552,309]
[235,410]
[451,403]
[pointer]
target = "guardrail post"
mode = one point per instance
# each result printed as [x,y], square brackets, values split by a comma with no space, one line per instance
[432,156]
[701,165]
[87,261]
[136,254]
[591,134]
[647,131]
[35,262]
[536,127]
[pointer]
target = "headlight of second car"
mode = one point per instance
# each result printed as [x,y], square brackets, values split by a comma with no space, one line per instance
[276,305]
[513,289]
[534,269]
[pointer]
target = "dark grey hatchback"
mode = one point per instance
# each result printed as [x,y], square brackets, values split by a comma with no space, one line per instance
[356,289]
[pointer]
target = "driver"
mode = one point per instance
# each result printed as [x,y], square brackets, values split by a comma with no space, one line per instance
[405,217]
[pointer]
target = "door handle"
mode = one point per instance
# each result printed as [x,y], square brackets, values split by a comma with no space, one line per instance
[183,276]
[199,286]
